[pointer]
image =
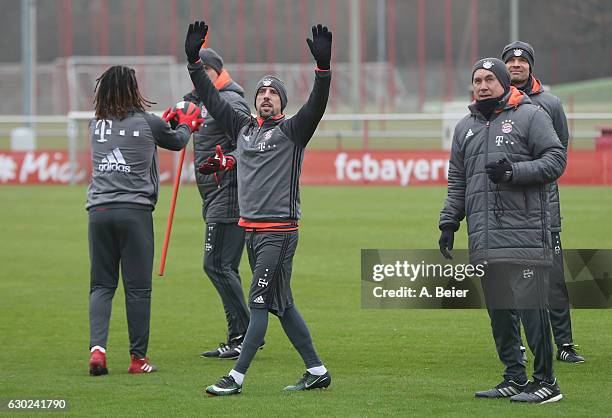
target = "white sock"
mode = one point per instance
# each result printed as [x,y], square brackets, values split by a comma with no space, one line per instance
[317,371]
[238,377]
[97,347]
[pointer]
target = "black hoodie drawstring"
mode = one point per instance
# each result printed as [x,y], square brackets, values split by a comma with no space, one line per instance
[498,207]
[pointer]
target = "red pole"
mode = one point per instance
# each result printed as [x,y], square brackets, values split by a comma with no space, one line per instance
[448,50]
[474,31]
[421,51]
[175,189]
[227,24]
[362,46]
[303,29]
[391,51]
[94,39]
[128,39]
[333,20]
[66,27]
[288,39]
[140,47]
[270,30]
[172,39]
[241,42]
[103,27]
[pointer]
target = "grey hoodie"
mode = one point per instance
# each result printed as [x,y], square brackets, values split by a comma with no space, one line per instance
[219,193]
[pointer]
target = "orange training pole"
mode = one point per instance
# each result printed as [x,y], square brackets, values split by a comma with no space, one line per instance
[177,183]
[175,189]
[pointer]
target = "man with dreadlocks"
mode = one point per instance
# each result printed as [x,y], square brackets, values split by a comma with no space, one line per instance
[120,200]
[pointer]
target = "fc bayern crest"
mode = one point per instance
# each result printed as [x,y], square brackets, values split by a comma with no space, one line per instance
[487,65]
[507,126]
[268,135]
[518,52]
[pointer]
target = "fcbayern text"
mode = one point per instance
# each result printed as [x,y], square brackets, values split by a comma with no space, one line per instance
[368,168]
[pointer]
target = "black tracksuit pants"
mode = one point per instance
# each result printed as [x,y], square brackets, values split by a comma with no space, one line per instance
[511,289]
[223,246]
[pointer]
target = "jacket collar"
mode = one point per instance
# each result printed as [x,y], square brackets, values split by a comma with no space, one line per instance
[512,99]
[273,120]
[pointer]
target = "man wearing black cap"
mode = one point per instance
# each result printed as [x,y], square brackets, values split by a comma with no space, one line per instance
[520,59]
[223,238]
[268,160]
[504,154]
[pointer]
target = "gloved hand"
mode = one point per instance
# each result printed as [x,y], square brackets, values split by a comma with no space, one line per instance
[185,113]
[170,117]
[500,171]
[446,241]
[220,162]
[196,35]
[320,46]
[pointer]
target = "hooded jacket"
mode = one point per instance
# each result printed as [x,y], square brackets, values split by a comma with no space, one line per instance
[551,105]
[219,193]
[269,152]
[507,222]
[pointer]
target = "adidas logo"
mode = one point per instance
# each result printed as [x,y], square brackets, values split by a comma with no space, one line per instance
[114,161]
[469,133]
[258,299]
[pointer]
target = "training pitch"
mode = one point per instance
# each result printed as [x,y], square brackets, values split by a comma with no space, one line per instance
[391,362]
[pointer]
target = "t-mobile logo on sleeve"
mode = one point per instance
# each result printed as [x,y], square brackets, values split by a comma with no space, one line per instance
[403,171]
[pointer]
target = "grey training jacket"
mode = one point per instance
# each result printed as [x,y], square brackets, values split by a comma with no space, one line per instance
[124,158]
[508,222]
[220,194]
[553,106]
[269,152]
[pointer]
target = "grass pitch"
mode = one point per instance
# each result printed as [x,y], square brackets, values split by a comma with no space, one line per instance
[384,363]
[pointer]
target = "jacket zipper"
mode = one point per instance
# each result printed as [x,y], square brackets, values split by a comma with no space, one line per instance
[487,195]
[543,219]
[526,202]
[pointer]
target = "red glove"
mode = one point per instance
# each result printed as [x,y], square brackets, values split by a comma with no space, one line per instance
[219,162]
[169,116]
[185,113]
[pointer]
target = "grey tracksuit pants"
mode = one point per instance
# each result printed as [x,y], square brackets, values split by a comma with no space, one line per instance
[121,235]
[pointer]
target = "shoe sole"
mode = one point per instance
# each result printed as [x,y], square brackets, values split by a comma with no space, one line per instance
[571,362]
[553,399]
[214,395]
[97,371]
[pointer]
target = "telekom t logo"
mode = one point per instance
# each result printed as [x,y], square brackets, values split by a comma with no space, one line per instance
[101,125]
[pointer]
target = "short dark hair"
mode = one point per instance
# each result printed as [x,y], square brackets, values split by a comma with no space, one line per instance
[116,93]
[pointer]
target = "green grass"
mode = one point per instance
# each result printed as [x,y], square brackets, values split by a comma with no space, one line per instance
[384,363]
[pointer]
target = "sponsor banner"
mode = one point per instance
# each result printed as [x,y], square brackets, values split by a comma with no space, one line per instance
[393,168]
[417,279]
[418,168]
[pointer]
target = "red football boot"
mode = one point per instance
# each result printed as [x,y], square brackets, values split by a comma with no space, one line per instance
[141,365]
[97,363]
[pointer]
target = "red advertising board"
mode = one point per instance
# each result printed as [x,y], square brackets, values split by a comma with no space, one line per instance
[392,168]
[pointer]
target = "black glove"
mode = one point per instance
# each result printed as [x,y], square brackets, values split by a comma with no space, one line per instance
[500,171]
[446,241]
[196,35]
[320,46]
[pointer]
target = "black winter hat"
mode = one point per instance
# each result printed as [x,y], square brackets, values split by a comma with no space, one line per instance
[497,67]
[519,49]
[209,57]
[277,84]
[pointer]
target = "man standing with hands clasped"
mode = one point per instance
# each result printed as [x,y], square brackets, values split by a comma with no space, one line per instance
[268,160]
[504,155]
